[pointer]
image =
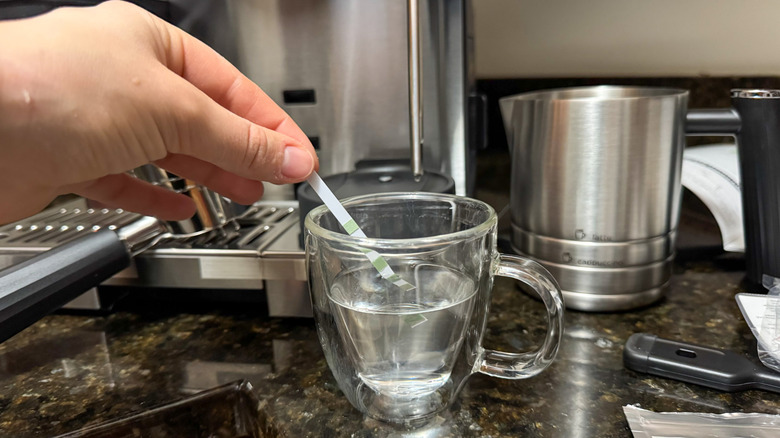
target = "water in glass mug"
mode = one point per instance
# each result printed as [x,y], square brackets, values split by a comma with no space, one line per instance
[403,343]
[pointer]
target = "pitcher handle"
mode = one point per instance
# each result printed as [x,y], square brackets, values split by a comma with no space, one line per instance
[524,365]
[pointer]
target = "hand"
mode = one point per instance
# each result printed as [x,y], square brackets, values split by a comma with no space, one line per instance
[87,94]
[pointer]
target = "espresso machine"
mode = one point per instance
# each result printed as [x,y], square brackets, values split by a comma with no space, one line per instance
[340,69]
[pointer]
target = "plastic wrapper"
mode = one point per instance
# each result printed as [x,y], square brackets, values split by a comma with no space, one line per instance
[762,314]
[769,341]
[648,424]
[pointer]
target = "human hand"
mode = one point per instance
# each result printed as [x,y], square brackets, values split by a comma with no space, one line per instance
[87,94]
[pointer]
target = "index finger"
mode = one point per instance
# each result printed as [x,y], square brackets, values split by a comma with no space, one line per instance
[225,84]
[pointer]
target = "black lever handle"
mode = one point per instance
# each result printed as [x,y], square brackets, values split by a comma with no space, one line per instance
[720,121]
[42,284]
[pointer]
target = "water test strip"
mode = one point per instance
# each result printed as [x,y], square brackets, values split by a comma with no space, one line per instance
[352,228]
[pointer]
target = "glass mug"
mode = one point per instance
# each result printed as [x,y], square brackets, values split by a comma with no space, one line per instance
[403,355]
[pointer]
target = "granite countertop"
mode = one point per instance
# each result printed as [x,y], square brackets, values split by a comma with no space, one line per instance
[68,371]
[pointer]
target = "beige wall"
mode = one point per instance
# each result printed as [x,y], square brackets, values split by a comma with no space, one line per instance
[586,38]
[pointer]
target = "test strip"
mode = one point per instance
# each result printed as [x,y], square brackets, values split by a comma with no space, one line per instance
[352,228]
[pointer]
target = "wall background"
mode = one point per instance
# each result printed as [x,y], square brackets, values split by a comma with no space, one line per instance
[628,38]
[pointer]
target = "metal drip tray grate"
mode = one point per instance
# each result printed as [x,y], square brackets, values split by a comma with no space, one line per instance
[223,260]
[57,226]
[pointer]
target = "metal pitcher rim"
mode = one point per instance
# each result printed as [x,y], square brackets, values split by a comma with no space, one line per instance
[598,92]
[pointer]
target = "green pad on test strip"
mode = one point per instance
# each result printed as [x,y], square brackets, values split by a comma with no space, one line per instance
[351,226]
[380,264]
[414,319]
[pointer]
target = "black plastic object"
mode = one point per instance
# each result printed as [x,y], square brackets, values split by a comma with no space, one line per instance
[42,284]
[11,9]
[299,96]
[719,369]
[755,121]
[758,143]
[374,177]
[720,121]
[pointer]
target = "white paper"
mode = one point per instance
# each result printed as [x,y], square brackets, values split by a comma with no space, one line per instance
[754,307]
[761,314]
[712,174]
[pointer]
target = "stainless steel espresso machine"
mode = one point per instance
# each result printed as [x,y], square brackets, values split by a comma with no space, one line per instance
[339,68]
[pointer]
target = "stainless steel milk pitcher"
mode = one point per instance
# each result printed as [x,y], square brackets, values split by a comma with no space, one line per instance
[595,190]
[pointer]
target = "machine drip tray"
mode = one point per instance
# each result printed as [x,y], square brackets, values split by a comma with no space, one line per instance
[263,255]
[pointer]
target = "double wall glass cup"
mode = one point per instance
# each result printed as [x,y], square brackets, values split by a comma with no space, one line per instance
[401,354]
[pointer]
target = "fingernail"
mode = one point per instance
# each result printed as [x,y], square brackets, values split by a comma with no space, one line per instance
[297,163]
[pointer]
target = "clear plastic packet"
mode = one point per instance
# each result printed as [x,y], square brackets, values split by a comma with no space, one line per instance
[769,343]
[648,424]
[762,314]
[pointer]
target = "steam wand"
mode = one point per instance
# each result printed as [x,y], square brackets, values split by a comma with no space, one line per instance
[415,89]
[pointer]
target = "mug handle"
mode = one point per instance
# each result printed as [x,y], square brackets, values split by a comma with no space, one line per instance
[524,365]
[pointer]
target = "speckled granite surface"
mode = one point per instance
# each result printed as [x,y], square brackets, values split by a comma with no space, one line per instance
[66,372]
